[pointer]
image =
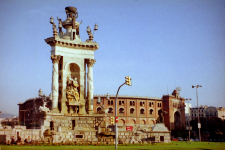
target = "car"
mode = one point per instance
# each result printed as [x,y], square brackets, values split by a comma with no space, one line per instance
[210,140]
[192,139]
[180,138]
[196,139]
[206,140]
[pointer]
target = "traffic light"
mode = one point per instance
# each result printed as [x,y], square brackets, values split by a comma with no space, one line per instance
[128,80]
[112,120]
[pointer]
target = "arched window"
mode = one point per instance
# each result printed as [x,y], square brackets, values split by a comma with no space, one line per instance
[133,103]
[99,109]
[151,112]
[121,110]
[108,102]
[142,111]
[110,110]
[132,111]
[111,102]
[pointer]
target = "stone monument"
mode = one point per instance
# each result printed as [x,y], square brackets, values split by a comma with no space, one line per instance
[73,62]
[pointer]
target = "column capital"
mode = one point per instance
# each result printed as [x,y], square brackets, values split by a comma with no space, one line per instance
[91,62]
[55,58]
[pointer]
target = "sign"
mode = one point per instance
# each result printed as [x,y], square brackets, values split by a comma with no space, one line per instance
[116,119]
[199,125]
[129,128]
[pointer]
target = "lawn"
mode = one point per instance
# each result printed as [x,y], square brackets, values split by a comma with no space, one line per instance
[173,145]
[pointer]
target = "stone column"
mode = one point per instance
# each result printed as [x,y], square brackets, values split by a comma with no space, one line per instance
[55,83]
[90,85]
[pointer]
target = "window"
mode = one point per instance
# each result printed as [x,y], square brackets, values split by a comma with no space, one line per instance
[140,103]
[159,105]
[121,102]
[151,112]
[79,136]
[73,124]
[142,111]
[111,102]
[150,104]
[132,111]
[121,110]
[110,110]
[108,102]
[99,109]
[132,103]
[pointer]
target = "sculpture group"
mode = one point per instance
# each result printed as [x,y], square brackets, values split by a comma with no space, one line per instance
[71,90]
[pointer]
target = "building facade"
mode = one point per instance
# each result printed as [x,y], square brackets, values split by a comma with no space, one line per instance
[207,112]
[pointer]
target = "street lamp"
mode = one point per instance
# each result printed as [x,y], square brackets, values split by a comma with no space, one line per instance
[189,117]
[128,82]
[199,125]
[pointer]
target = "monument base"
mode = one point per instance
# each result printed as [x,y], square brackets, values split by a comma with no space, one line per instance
[160,127]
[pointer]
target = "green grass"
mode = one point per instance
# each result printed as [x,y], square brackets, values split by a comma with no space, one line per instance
[173,145]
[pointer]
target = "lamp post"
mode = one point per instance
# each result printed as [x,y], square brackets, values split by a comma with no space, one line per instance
[189,117]
[199,125]
[127,82]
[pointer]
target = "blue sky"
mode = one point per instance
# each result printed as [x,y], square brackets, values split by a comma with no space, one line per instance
[161,44]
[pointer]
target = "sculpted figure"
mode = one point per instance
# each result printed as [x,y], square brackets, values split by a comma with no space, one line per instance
[160,119]
[72,92]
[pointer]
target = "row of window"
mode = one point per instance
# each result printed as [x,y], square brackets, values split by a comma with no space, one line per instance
[121,110]
[195,115]
[132,103]
[192,110]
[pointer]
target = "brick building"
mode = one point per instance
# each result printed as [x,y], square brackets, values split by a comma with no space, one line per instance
[132,111]
[144,110]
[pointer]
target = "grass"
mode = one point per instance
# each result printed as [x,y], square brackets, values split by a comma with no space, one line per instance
[168,146]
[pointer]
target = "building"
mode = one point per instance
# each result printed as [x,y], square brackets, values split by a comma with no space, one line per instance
[132,111]
[187,113]
[207,112]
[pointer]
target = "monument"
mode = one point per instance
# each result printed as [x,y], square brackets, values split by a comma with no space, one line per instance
[67,115]
[73,62]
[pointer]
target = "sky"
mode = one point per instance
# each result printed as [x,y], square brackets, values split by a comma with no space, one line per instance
[160,44]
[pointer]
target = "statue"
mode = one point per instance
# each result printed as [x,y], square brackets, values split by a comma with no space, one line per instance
[60,24]
[71,91]
[160,119]
[43,108]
